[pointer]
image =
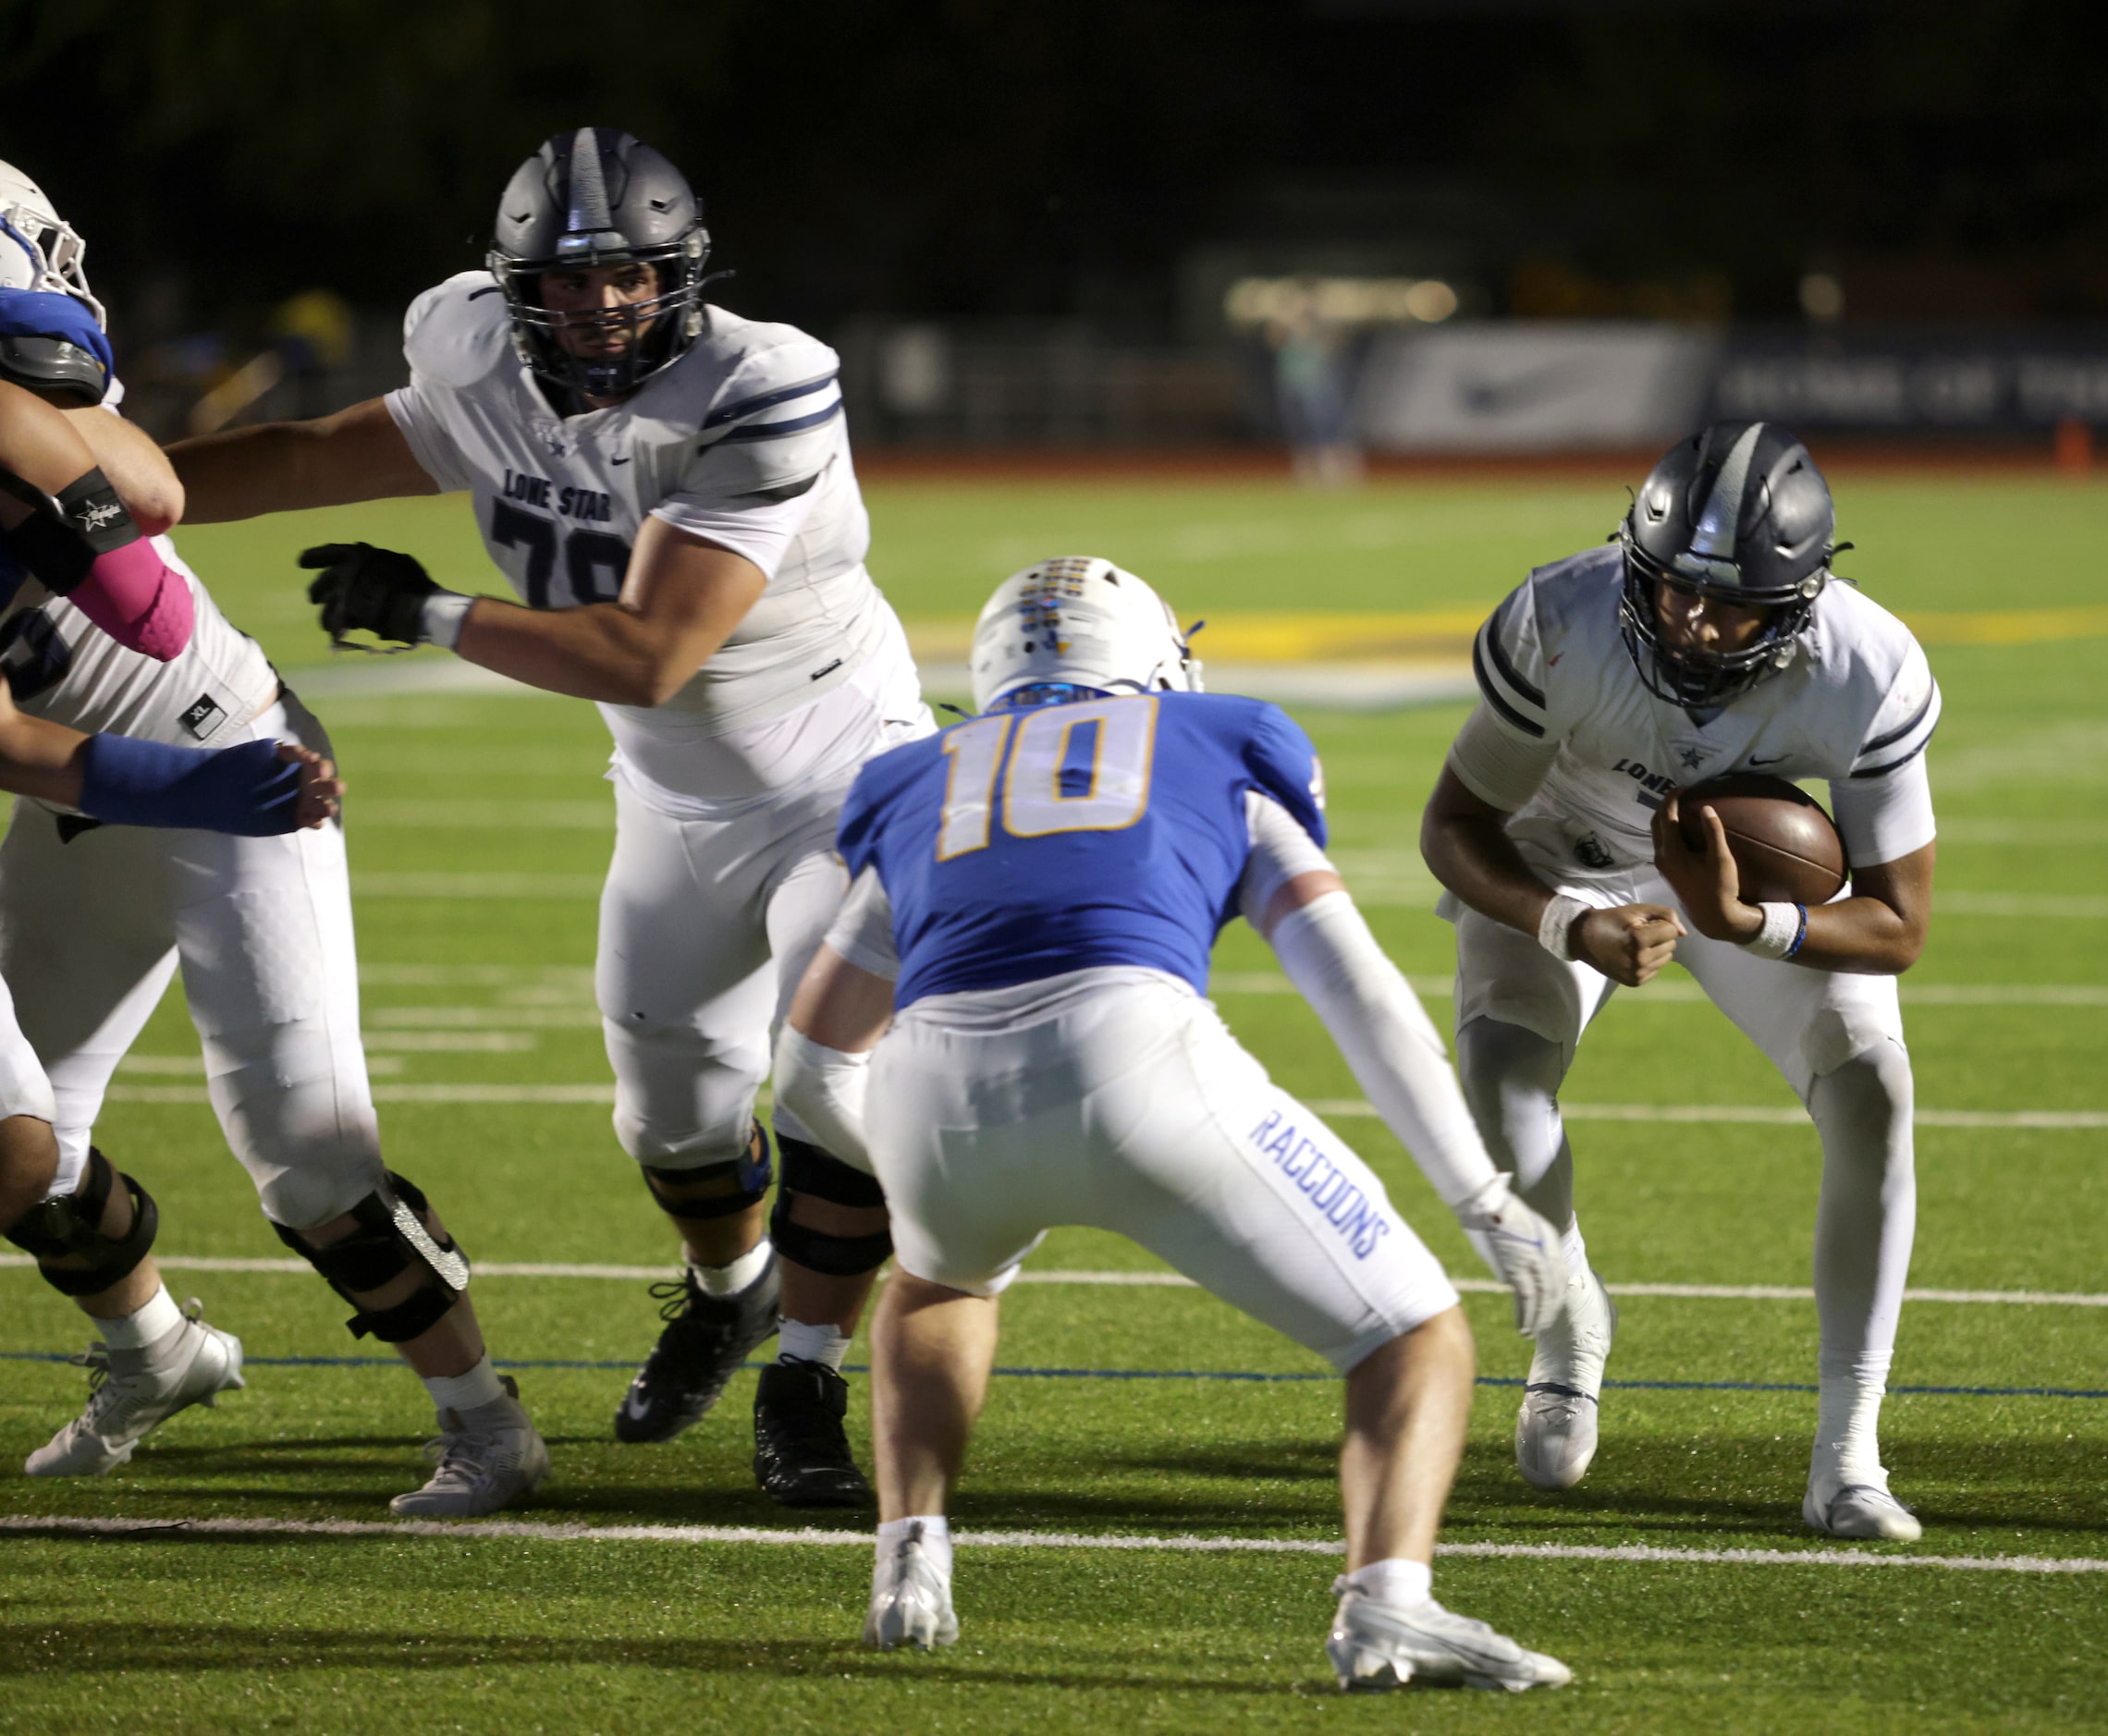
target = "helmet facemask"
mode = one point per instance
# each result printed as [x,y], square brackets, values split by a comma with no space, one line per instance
[1687,676]
[661,326]
[39,249]
[1739,515]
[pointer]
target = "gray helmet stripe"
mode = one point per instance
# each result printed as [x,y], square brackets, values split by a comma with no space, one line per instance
[588,210]
[1715,536]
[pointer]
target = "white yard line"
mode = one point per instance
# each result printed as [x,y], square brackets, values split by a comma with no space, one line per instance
[530,1531]
[1681,991]
[1140,1280]
[465,1092]
[1768,1115]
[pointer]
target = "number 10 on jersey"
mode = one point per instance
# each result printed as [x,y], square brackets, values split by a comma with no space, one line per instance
[1068,768]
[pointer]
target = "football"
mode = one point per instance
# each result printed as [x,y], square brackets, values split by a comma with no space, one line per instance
[1784,842]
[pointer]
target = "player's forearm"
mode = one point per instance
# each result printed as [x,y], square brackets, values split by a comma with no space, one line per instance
[1860,934]
[1390,1043]
[138,468]
[1472,857]
[603,652]
[41,759]
[357,454]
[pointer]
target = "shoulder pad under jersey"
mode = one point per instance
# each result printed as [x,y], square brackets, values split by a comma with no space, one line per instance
[458,332]
[773,415]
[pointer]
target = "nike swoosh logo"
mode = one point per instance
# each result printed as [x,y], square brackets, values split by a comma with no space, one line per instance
[622,461]
[1497,397]
[633,1405]
[1775,758]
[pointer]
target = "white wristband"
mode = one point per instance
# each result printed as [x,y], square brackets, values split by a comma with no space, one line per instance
[1781,928]
[441,617]
[1556,925]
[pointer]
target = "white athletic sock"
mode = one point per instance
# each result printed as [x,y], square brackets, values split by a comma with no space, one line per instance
[936,1540]
[1847,1444]
[729,1281]
[145,1326]
[798,1342]
[1576,1253]
[1395,1581]
[463,1393]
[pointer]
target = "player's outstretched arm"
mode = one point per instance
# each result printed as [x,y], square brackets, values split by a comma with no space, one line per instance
[1879,931]
[823,1054]
[1463,838]
[1397,1058]
[357,454]
[256,789]
[681,598]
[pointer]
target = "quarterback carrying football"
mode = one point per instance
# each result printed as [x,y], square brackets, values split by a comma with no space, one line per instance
[1711,636]
[668,487]
[1016,989]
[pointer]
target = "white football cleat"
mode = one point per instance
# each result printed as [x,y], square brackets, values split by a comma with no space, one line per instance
[500,1461]
[132,1392]
[1374,1646]
[1865,1510]
[911,1601]
[1555,1429]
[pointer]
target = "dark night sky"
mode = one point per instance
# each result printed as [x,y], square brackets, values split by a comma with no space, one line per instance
[972,158]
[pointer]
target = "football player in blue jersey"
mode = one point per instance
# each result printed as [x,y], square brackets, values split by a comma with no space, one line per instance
[1016,987]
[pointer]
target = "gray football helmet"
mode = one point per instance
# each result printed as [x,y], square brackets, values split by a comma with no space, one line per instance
[1738,512]
[589,200]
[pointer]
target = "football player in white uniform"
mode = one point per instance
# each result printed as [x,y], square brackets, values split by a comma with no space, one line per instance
[668,488]
[1711,636]
[1036,967]
[95,918]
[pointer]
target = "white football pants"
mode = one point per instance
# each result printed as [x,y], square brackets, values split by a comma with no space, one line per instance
[1116,1098]
[91,931]
[706,926]
[1836,1037]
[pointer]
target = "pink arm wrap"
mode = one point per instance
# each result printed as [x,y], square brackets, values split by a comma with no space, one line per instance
[137,599]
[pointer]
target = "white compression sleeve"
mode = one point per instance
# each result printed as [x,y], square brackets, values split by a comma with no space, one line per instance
[825,1089]
[1388,1041]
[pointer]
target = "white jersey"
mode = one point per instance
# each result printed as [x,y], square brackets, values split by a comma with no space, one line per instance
[742,441]
[63,666]
[1571,738]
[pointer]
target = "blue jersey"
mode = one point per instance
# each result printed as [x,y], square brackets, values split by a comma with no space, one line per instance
[1025,844]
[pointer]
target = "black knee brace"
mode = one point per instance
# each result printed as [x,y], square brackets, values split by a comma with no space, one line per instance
[808,1169]
[751,1176]
[391,1240]
[73,1225]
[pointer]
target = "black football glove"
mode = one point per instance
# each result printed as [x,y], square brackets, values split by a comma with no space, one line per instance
[374,589]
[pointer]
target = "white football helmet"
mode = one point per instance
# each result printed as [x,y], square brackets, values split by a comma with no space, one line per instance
[39,249]
[1078,622]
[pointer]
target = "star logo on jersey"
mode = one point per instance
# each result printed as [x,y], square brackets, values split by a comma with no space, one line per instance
[1692,751]
[555,439]
[1692,757]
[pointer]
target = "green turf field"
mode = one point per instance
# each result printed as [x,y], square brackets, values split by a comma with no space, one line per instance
[478,829]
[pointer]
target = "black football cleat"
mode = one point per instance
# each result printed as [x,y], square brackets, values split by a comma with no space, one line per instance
[800,1455]
[704,1344]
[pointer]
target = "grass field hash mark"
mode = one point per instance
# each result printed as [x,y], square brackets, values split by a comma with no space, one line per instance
[1233,1377]
[518,1530]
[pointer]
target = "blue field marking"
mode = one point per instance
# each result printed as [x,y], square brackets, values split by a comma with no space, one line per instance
[1250,1376]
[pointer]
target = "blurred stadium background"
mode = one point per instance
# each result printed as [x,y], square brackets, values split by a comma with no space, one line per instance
[1370,230]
